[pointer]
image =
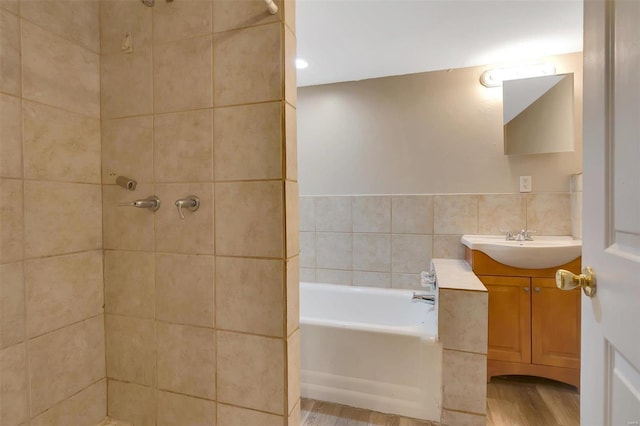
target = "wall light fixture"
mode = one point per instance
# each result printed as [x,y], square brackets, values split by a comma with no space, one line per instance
[495,77]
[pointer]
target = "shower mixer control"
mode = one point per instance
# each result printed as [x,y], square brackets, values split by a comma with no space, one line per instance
[152,203]
[192,203]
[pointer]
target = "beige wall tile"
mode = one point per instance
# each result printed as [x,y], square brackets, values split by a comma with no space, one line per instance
[193,234]
[62,290]
[410,253]
[405,281]
[249,295]
[12,312]
[127,149]
[293,294]
[497,212]
[371,214]
[549,213]
[249,219]
[291,142]
[10,68]
[193,371]
[11,5]
[127,83]
[576,215]
[464,376]
[129,283]
[61,218]
[190,57]
[575,183]
[236,416]
[292,219]
[185,289]
[132,403]
[14,391]
[130,349]
[308,275]
[412,214]
[89,407]
[289,7]
[11,220]
[180,20]
[372,279]
[448,247]
[334,251]
[60,145]
[295,417]
[73,20]
[239,369]
[291,87]
[125,227]
[307,214]
[308,249]
[248,65]
[248,142]
[120,16]
[10,135]
[293,370]
[180,410]
[59,73]
[372,252]
[462,320]
[458,418]
[65,361]
[333,214]
[334,276]
[455,214]
[183,146]
[232,14]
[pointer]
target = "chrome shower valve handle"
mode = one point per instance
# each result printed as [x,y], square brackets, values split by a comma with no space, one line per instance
[192,203]
[152,203]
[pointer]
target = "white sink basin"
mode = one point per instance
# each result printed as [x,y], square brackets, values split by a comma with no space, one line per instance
[543,252]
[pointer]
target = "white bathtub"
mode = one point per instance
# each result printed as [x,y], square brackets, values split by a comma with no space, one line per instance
[370,348]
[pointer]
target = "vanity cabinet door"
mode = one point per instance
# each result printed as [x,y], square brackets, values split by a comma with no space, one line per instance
[509,318]
[555,324]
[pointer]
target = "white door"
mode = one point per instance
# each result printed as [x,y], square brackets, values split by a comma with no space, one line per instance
[610,371]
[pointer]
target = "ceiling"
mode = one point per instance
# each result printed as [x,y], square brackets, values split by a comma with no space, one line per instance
[346,40]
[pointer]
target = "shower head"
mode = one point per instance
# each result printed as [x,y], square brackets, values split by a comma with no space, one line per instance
[149,3]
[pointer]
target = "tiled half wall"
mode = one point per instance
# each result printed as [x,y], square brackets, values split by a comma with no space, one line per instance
[387,240]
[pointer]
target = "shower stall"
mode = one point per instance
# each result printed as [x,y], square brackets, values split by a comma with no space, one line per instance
[171,299]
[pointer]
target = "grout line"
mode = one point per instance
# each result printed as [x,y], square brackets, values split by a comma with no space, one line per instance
[26,315]
[72,324]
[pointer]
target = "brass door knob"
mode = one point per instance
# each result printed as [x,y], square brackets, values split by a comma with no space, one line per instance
[567,280]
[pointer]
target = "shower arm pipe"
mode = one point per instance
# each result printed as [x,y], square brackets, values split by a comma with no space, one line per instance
[271,6]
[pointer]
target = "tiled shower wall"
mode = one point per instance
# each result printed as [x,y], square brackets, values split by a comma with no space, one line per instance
[387,240]
[202,313]
[52,368]
[198,330]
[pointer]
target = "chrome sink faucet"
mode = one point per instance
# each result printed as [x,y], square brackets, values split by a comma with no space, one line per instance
[524,235]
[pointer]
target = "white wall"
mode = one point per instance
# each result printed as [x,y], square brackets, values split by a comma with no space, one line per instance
[436,132]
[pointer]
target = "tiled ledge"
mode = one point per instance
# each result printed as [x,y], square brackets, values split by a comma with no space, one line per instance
[456,274]
[462,329]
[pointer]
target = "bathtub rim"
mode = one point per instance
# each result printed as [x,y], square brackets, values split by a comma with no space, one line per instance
[425,331]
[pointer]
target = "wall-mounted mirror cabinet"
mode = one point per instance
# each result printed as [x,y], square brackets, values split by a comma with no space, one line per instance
[538,115]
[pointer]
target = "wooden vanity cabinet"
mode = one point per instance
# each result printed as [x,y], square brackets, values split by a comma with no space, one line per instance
[534,328]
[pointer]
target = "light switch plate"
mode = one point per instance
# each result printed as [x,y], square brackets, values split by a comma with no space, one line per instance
[526,184]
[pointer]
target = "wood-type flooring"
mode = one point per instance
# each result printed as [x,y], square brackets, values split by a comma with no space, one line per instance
[511,401]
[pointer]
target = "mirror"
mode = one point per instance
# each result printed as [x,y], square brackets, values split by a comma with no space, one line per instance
[538,115]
